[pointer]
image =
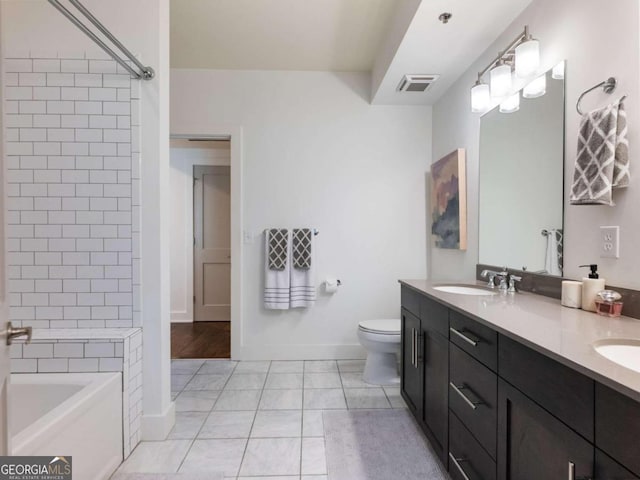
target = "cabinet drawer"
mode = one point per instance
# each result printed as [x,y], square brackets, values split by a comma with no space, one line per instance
[473,391]
[434,316]
[410,300]
[565,393]
[477,340]
[467,459]
[618,427]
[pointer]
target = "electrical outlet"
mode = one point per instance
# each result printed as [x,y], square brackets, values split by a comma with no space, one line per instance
[247,237]
[609,242]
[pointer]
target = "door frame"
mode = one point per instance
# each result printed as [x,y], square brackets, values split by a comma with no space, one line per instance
[234,135]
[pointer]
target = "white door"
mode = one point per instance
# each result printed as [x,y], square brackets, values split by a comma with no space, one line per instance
[212,243]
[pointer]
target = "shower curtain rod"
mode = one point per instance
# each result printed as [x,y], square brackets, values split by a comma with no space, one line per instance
[146,73]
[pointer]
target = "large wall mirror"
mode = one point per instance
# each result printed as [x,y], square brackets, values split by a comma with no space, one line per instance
[521,181]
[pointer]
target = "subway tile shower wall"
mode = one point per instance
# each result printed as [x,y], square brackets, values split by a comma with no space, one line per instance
[73,158]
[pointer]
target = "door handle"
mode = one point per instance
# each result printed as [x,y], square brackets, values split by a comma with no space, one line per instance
[468,401]
[456,462]
[465,337]
[572,471]
[11,332]
[413,347]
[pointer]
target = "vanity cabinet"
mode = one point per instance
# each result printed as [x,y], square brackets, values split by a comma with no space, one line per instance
[411,367]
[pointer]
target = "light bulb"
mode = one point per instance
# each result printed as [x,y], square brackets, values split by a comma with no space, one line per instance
[536,88]
[558,71]
[511,104]
[527,58]
[480,98]
[500,81]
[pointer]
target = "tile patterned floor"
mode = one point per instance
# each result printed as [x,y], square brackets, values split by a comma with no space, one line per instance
[256,420]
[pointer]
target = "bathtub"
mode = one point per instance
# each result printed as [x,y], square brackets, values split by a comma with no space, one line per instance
[69,414]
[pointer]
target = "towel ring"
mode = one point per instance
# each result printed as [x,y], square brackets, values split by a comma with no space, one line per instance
[608,86]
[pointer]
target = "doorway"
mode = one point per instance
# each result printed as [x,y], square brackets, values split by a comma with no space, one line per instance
[200,248]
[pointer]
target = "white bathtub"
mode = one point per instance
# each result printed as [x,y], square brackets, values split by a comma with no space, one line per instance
[69,414]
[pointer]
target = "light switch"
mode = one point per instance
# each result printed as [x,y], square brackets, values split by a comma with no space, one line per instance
[609,242]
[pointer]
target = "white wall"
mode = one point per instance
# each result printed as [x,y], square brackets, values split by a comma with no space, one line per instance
[598,39]
[316,153]
[34,27]
[184,156]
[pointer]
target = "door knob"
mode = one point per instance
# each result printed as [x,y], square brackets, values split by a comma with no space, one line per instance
[12,332]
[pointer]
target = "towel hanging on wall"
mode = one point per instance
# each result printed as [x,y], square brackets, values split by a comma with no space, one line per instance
[277,271]
[303,289]
[602,162]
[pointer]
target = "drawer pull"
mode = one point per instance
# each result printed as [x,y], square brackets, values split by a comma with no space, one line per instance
[456,462]
[465,337]
[413,348]
[458,390]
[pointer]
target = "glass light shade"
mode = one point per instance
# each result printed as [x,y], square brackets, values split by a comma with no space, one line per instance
[536,88]
[500,81]
[511,104]
[527,58]
[558,71]
[480,98]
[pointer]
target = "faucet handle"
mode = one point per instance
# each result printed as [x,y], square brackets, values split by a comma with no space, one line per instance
[512,283]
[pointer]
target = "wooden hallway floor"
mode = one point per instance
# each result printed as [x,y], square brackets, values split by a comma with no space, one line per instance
[201,340]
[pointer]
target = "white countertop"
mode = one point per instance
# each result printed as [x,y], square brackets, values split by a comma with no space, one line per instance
[564,334]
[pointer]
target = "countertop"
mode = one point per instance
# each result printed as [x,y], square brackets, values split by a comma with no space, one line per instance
[564,334]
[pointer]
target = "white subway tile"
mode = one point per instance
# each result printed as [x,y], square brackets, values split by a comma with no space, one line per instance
[19,176]
[60,106]
[103,121]
[11,79]
[66,271]
[48,231]
[117,218]
[21,121]
[46,65]
[21,231]
[124,95]
[12,106]
[13,190]
[46,148]
[77,313]
[102,349]
[75,231]
[52,365]
[68,350]
[125,312]
[74,93]
[22,313]
[90,244]
[63,324]
[91,323]
[62,190]
[75,203]
[37,350]
[104,231]
[119,136]
[90,163]
[120,323]
[12,162]
[32,106]
[90,108]
[77,286]
[46,121]
[50,286]
[100,285]
[83,364]
[62,244]
[91,271]
[60,79]
[15,350]
[75,176]
[18,65]
[98,203]
[20,365]
[12,135]
[20,203]
[49,313]
[117,245]
[62,299]
[48,258]
[20,148]
[102,66]
[47,203]
[125,285]
[46,93]
[89,190]
[117,81]
[29,271]
[32,135]
[34,245]
[74,66]
[103,149]
[61,135]
[103,176]
[32,79]
[33,162]
[104,258]
[116,108]
[102,94]
[75,149]
[13,217]
[117,163]
[89,135]
[13,245]
[104,313]
[19,286]
[124,231]
[19,93]
[46,176]
[111,364]
[89,218]
[75,258]
[62,217]
[74,121]
[117,298]
[88,80]
[35,218]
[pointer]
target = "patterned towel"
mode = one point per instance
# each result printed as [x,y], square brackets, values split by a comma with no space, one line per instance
[278,248]
[603,156]
[301,248]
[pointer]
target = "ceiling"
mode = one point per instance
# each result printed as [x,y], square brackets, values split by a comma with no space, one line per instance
[327,35]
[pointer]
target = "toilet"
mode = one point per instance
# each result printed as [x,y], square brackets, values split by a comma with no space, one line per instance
[381,339]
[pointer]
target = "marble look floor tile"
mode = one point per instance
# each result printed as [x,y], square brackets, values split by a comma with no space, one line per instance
[277,423]
[246,381]
[252,367]
[185,367]
[355,380]
[312,424]
[320,366]
[214,456]
[156,457]
[272,456]
[366,398]
[207,382]
[324,398]
[217,366]
[179,381]
[196,400]
[281,399]
[238,400]
[314,477]
[227,425]
[322,380]
[283,381]
[187,425]
[351,365]
[287,366]
[313,456]
[393,394]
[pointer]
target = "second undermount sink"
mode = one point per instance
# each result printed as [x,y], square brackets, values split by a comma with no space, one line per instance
[463,290]
[622,352]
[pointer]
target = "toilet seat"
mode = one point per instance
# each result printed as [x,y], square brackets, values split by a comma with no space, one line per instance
[381,327]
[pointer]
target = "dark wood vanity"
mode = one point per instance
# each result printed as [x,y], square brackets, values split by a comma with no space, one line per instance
[493,408]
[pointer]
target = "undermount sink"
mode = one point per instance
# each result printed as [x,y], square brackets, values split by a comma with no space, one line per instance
[463,290]
[622,352]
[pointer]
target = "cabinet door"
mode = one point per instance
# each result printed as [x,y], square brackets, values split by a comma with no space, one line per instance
[534,445]
[609,469]
[435,352]
[411,366]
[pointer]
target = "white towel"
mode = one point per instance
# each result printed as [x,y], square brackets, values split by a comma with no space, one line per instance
[303,288]
[552,257]
[276,282]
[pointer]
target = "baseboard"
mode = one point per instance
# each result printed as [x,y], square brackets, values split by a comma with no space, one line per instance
[300,352]
[181,320]
[157,427]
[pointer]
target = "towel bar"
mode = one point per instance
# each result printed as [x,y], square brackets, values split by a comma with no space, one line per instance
[608,86]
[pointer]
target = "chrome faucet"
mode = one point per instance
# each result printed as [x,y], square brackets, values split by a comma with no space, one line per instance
[12,332]
[503,276]
[512,283]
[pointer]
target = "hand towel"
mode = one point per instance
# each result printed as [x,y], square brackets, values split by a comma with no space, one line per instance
[602,162]
[553,257]
[303,289]
[277,271]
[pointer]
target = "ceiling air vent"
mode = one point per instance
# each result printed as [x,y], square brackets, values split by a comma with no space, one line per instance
[416,83]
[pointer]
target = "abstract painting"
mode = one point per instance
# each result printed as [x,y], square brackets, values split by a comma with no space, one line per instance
[449,201]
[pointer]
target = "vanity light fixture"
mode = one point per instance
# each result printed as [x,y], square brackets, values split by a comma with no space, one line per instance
[558,71]
[536,88]
[511,103]
[523,54]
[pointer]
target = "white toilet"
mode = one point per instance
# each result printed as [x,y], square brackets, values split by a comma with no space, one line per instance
[381,338]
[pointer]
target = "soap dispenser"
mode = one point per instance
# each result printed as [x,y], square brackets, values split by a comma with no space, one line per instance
[590,288]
